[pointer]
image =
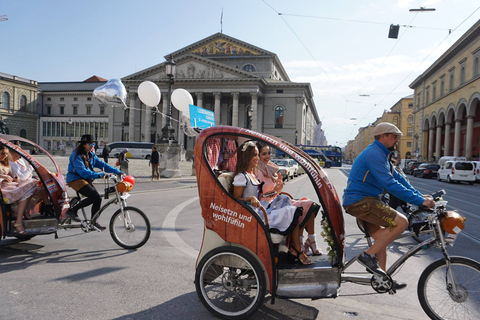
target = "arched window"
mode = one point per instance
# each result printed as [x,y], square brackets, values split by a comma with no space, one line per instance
[23,133]
[248,117]
[279,116]
[249,68]
[23,103]
[395,120]
[410,119]
[5,100]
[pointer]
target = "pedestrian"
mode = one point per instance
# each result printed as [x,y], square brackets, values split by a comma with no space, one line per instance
[371,173]
[154,162]
[123,161]
[33,151]
[105,152]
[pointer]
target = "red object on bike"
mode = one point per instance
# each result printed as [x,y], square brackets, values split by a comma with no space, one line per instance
[129,179]
[453,222]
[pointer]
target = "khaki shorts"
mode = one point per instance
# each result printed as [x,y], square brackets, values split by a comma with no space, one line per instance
[374,211]
[77,184]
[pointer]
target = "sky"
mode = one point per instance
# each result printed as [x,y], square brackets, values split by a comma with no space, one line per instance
[340,47]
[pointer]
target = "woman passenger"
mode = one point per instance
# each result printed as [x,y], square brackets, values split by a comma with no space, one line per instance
[247,188]
[267,172]
[13,190]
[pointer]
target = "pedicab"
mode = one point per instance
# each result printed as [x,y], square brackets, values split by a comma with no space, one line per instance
[129,226]
[241,260]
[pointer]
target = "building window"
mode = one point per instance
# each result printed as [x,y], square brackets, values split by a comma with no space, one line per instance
[126,116]
[75,110]
[427,98]
[102,109]
[75,99]
[62,99]
[395,120]
[279,116]
[5,100]
[89,99]
[62,110]
[410,106]
[230,116]
[418,101]
[249,68]
[410,119]
[23,103]
[442,86]
[451,80]
[462,75]
[49,110]
[409,144]
[476,67]
[89,110]
[434,92]
[409,131]
[23,133]
[49,99]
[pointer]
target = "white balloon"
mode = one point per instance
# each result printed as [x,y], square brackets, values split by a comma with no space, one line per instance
[149,93]
[181,98]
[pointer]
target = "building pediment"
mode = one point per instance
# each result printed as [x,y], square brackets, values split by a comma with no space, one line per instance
[220,44]
[192,67]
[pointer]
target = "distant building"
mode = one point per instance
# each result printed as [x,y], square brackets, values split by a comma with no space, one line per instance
[18,105]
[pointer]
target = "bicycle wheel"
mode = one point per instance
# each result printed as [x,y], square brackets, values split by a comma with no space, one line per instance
[419,218]
[230,283]
[440,300]
[130,230]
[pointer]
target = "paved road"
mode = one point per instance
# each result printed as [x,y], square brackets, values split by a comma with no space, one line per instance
[87,276]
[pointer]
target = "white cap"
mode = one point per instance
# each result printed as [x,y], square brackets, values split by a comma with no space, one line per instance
[386,127]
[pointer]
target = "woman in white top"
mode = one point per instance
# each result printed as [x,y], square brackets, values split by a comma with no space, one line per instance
[282,217]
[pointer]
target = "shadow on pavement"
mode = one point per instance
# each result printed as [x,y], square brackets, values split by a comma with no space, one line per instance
[281,310]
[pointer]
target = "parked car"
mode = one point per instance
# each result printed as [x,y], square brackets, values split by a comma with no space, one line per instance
[295,166]
[454,171]
[412,165]
[477,170]
[286,169]
[426,170]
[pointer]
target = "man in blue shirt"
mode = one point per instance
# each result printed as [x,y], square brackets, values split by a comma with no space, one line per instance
[371,173]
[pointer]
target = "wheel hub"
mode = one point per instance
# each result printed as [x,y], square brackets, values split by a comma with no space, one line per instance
[460,295]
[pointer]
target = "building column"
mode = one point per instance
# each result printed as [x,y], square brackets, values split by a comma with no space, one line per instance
[131,118]
[218,98]
[147,130]
[236,96]
[199,96]
[469,140]
[254,104]
[438,143]
[448,126]
[458,133]
[430,144]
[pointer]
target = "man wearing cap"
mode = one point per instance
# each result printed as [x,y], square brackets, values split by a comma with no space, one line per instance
[371,173]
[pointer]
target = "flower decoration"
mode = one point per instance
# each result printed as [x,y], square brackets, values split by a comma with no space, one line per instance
[248,144]
[328,236]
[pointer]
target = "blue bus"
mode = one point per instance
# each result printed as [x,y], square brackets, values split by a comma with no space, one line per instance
[332,153]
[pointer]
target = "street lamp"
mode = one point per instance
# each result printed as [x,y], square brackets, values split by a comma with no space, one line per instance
[70,121]
[168,132]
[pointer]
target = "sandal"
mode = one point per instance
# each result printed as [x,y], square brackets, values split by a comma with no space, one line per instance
[312,245]
[17,227]
[299,256]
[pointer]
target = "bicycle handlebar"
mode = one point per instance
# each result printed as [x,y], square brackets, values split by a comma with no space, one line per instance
[437,195]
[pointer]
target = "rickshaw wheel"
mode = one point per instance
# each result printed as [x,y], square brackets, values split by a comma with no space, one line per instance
[230,283]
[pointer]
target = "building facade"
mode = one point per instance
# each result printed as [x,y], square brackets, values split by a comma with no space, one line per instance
[447,102]
[18,105]
[244,85]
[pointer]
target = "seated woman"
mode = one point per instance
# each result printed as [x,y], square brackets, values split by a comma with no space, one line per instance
[13,190]
[267,172]
[246,187]
[24,172]
[80,177]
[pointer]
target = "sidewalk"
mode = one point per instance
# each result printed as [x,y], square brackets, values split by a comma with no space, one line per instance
[137,167]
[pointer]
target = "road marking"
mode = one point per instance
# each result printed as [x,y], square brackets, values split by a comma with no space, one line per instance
[172,237]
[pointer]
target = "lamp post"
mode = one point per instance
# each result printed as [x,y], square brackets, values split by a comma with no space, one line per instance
[123,127]
[168,132]
[70,121]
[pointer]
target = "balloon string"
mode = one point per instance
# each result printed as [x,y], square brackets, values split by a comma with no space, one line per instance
[153,111]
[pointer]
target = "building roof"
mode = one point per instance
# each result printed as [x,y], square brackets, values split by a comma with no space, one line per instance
[95,78]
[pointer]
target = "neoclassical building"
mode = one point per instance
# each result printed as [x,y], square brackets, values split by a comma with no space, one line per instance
[18,105]
[447,102]
[245,86]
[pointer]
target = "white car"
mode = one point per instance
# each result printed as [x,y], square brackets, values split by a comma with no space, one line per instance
[454,171]
[477,169]
[286,169]
[295,166]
